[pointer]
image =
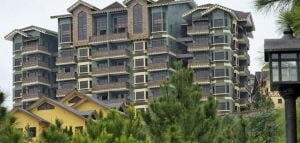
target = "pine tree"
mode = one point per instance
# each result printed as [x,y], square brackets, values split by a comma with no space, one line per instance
[55,134]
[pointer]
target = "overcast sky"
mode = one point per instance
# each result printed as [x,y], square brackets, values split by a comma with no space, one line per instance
[22,13]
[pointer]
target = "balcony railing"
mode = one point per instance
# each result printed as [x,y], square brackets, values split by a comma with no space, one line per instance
[110,54]
[35,64]
[245,87]
[66,60]
[62,92]
[118,86]
[110,70]
[33,95]
[244,71]
[198,47]
[109,37]
[66,76]
[157,50]
[202,79]
[158,66]
[244,55]
[198,29]
[35,49]
[155,83]
[35,80]
[197,63]
[243,38]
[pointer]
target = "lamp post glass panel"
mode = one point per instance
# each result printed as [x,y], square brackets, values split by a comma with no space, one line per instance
[283,56]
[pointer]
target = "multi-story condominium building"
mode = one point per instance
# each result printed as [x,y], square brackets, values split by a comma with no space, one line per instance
[34,51]
[119,52]
[123,52]
[218,45]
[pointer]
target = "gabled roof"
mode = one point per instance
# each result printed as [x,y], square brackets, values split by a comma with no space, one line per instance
[51,101]
[127,1]
[23,31]
[38,118]
[80,2]
[114,5]
[84,98]
[208,8]
[192,3]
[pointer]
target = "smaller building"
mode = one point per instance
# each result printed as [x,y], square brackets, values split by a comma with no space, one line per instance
[262,85]
[75,105]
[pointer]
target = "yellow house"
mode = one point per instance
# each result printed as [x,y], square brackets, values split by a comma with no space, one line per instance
[50,110]
[82,102]
[34,123]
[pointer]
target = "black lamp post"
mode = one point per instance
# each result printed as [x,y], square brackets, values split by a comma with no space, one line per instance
[283,56]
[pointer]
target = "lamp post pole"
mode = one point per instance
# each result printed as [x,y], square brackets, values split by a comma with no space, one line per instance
[290,114]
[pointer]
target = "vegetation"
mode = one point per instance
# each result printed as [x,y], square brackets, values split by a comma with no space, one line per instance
[179,116]
[288,9]
[8,134]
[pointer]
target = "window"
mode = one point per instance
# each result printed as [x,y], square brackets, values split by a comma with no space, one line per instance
[100,25]
[84,84]
[82,26]
[156,92]
[289,71]
[120,24]
[279,101]
[68,85]
[32,131]
[221,72]
[201,39]
[83,52]
[139,79]
[219,39]
[158,21]
[220,89]
[137,19]
[158,42]
[65,30]
[140,95]
[45,106]
[275,71]
[17,93]
[18,77]
[18,62]
[139,62]
[203,73]
[139,46]
[67,53]
[79,129]
[221,56]
[84,68]
[17,46]
[67,69]
[75,99]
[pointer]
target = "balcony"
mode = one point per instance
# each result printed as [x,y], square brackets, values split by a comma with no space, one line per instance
[17,50]
[155,83]
[33,96]
[197,63]
[197,29]
[100,71]
[100,55]
[198,47]
[202,80]
[242,38]
[109,37]
[158,50]
[158,66]
[62,92]
[35,49]
[244,87]
[65,60]
[66,76]
[244,71]
[117,86]
[35,65]
[35,80]
[244,55]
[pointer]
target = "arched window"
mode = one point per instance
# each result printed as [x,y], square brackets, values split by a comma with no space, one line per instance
[137,19]
[82,26]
